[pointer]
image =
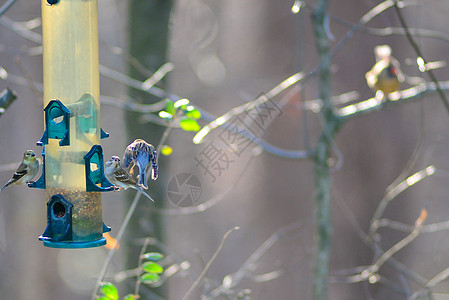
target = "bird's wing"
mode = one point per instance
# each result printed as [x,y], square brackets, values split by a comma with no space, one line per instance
[397,66]
[373,74]
[154,165]
[128,156]
[124,177]
[21,171]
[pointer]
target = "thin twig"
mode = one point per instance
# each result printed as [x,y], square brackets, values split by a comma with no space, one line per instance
[209,264]
[139,265]
[394,192]
[376,248]
[22,81]
[420,54]
[371,14]
[370,273]
[131,82]
[27,75]
[429,228]
[443,275]
[131,105]
[177,264]
[21,30]
[388,31]
[394,249]
[414,156]
[251,264]
[131,60]
[5,6]
[418,32]
[157,76]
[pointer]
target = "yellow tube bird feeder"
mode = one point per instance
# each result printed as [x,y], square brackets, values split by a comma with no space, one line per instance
[72,156]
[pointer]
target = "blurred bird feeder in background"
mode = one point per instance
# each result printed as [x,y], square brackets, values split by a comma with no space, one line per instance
[72,156]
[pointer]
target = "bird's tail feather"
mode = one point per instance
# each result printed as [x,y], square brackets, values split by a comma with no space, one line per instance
[8,183]
[142,179]
[143,192]
[143,159]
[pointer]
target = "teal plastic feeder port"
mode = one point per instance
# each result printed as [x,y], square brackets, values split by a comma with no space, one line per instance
[40,183]
[61,230]
[95,179]
[57,123]
[59,220]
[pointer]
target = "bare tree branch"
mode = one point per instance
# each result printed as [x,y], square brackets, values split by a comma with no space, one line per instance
[209,264]
[251,264]
[420,55]
[404,96]
[295,78]
[6,6]
[394,192]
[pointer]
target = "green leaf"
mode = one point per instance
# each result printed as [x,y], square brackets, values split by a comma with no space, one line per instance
[152,267]
[165,115]
[170,107]
[109,290]
[193,113]
[181,102]
[154,256]
[103,298]
[166,150]
[130,297]
[149,278]
[189,124]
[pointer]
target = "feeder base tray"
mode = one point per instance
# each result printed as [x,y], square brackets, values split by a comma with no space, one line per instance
[75,245]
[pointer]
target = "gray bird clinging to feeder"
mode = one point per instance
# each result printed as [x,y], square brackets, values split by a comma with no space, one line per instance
[143,155]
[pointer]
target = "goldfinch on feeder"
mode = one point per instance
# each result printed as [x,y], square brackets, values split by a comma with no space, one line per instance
[120,177]
[143,155]
[26,170]
[385,76]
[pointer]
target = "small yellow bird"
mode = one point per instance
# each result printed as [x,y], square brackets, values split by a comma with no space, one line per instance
[385,75]
[26,171]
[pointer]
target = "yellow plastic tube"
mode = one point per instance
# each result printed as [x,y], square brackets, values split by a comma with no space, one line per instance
[71,75]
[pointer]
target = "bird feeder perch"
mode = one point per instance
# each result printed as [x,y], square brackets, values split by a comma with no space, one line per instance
[72,173]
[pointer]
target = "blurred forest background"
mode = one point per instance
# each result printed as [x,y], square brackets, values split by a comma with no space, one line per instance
[227,53]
